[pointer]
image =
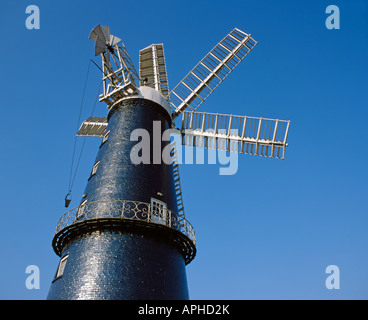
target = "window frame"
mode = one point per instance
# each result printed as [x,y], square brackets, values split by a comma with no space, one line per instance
[80,210]
[94,169]
[105,138]
[159,211]
[61,267]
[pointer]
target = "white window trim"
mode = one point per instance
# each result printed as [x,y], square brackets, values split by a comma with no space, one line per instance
[81,209]
[161,216]
[94,169]
[106,135]
[61,266]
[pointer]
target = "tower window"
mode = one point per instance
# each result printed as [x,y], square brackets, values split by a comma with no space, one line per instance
[61,267]
[105,137]
[94,169]
[158,211]
[81,209]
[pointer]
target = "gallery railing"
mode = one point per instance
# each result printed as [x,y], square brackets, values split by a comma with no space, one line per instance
[126,209]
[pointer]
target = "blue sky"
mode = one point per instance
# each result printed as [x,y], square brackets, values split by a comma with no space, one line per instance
[267,232]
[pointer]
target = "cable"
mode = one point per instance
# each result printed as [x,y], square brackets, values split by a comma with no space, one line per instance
[84,140]
[71,180]
[78,123]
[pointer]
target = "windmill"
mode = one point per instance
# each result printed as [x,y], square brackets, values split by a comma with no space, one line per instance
[129,237]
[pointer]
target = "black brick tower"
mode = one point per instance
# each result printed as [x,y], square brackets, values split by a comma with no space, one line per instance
[118,244]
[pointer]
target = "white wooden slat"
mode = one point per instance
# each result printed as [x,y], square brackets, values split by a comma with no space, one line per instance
[199,129]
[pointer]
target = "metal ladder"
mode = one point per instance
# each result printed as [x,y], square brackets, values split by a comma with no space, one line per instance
[178,191]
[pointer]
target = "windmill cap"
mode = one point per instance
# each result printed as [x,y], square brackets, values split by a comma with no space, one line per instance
[155,96]
[151,94]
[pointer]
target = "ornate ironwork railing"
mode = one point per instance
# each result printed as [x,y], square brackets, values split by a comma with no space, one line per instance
[126,209]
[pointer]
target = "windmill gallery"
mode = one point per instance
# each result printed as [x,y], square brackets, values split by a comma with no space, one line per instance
[129,238]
